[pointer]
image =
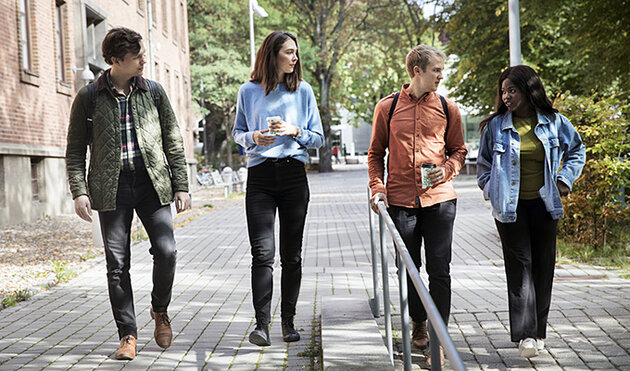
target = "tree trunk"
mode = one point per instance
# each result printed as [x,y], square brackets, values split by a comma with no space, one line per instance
[325,153]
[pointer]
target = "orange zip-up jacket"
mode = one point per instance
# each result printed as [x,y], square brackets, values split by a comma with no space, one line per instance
[415,136]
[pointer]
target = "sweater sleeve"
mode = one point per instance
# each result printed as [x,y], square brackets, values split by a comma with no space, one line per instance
[313,135]
[240,132]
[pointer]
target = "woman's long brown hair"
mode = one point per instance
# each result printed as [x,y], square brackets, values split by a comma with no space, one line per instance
[266,68]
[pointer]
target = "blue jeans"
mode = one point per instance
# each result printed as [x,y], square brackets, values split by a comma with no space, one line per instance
[433,225]
[278,184]
[135,191]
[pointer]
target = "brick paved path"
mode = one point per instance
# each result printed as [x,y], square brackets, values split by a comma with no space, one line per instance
[71,326]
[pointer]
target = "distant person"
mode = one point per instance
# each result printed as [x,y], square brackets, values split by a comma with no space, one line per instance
[276,121]
[419,127]
[529,157]
[130,169]
[335,153]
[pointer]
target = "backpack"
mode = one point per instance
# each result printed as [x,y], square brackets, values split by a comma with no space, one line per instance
[153,88]
[393,107]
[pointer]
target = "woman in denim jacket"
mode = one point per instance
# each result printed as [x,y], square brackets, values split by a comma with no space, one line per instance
[529,156]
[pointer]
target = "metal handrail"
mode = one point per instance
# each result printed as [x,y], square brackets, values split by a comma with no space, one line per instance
[437,328]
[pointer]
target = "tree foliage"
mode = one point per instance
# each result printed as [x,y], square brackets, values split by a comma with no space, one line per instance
[577,46]
[219,65]
[597,211]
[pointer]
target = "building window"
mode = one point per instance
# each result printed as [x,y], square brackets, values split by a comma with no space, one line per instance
[174,23]
[96,31]
[167,78]
[25,36]
[154,12]
[35,178]
[141,6]
[164,18]
[184,32]
[156,68]
[60,40]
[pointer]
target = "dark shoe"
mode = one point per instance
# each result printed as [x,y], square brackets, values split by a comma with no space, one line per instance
[163,333]
[260,335]
[289,334]
[127,348]
[419,336]
[441,358]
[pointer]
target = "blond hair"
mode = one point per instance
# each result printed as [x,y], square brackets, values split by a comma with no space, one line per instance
[421,56]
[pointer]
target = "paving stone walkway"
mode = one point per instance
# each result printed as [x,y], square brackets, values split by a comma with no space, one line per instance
[71,326]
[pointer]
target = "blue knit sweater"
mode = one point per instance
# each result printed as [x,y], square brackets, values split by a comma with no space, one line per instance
[297,108]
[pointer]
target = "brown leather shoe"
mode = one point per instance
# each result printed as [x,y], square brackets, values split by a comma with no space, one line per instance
[127,349]
[163,333]
[441,358]
[419,336]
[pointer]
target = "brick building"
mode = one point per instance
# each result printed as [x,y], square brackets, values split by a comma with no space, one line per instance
[45,48]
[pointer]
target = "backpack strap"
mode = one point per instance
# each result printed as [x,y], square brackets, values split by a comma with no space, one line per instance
[89,123]
[155,92]
[445,109]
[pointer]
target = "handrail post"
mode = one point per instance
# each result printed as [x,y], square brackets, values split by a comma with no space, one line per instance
[434,344]
[404,312]
[386,303]
[375,302]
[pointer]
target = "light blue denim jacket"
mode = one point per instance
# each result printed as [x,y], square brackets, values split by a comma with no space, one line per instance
[498,163]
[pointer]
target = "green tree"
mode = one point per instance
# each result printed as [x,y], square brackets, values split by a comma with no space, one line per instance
[577,46]
[597,211]
[219,65]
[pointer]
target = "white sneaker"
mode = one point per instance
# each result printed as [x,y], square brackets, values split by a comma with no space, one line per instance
[540,345]
[528,348]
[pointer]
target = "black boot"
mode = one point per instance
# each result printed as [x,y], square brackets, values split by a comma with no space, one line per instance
[260,335]
[288,330]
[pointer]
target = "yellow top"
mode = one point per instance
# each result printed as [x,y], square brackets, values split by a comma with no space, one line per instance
[532,158]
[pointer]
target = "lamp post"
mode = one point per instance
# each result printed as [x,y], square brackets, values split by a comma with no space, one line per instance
[254,8]
[515,32]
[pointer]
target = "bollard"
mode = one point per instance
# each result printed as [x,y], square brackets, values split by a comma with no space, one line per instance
[227,178]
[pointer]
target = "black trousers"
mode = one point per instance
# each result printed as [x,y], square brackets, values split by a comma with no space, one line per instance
[135,191]
[529,251]
[278,184]
[434,225]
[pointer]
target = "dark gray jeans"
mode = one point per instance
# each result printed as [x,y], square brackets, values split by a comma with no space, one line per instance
[135,191]
[433,225]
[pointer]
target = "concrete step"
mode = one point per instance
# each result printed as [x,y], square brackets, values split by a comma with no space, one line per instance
[351,339]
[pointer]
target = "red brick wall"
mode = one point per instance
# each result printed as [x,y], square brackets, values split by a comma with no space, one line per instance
[32,113]
[36,112]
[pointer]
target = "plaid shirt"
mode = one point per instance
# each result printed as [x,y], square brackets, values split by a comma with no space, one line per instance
[130,156]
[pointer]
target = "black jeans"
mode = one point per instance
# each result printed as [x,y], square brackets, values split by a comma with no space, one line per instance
[529,251]
[135,191]
[434,225]
[276,184]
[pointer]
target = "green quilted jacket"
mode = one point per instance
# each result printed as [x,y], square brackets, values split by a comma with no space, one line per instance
[159,139]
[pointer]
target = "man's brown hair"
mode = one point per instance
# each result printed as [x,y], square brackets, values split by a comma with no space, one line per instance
[266,67]
[118,42]
[421,56]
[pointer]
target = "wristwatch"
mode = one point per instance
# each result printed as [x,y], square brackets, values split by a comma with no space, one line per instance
[299,133]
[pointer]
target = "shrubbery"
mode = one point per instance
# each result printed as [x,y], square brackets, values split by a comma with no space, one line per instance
[597,212]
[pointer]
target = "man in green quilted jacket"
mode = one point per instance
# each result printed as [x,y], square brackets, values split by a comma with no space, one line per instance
[137,162]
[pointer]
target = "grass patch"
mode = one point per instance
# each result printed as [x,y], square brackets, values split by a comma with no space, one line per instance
[62,272]
[313,350]
[612,257]
[16,297]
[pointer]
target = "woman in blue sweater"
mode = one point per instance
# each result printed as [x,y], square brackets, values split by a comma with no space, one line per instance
[529,156]
[276,121]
